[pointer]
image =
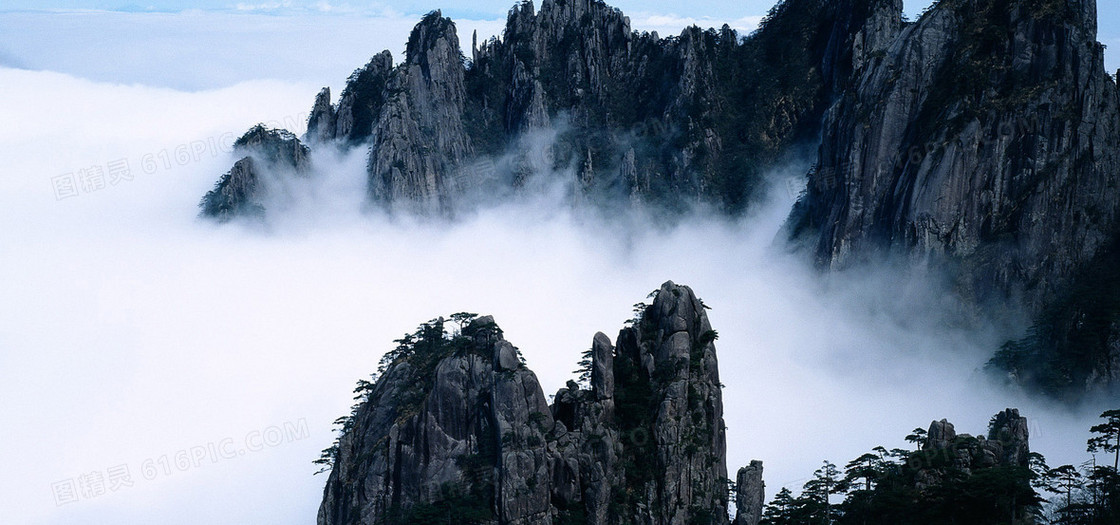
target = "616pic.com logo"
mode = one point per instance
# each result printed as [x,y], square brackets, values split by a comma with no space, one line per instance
[92,484]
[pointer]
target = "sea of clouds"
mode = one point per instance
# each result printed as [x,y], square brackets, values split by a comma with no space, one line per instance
[208,362]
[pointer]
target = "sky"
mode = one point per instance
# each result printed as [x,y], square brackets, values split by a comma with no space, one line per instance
[156,368]
[216,43]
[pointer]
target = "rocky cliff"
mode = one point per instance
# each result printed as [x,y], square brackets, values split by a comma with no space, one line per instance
[1007,444]
[986,137]
[242,190]
[983,138]
[985,132]
[750,494]
[674,122]
[457,428]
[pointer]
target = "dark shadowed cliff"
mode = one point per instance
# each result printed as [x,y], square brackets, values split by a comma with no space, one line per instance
[675,121]
[983,138]
[457,429]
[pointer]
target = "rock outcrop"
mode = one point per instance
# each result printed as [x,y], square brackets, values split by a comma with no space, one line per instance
[986,132]
[419,139]
[944,453]
[456,422]
[360,105]
[750,494]
[950,478]
[456,427]
[322,120]
[670,122]
[241,191]
[985,137]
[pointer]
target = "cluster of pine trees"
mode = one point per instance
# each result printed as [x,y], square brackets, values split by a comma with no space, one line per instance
[926,486]
[423,349]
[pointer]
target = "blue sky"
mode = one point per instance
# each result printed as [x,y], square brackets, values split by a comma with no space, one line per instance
[1109,12]
[698,11]
[474,9]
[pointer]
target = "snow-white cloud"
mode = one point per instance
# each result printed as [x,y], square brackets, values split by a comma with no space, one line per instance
[131,331]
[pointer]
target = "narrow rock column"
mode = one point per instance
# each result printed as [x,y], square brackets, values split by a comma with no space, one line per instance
[750,494]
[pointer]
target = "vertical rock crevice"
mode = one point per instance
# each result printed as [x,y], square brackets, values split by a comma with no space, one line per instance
[456,426]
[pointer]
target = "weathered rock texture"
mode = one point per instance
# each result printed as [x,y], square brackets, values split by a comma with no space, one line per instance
[951,478]
[945,453]
[672,122]
[750,494]
[986,131]
[240,191]
[456,428]
[985,136]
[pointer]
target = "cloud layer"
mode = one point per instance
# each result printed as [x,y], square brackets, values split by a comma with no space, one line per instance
[131,331]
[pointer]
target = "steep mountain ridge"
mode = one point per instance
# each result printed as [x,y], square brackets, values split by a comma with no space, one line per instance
[986,137]
[242,191]
[986,132]
[674,122]
[457,428]
[983,138]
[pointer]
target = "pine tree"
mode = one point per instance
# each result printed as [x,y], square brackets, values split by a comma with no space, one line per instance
[782,510]
[584,371]
[917,437]
[868,467]
[1064,481]
[1108,439]
[818,491]
[463,319]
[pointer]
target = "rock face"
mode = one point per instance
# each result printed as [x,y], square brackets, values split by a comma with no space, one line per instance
[986,132]
[985,136]
[750,494]
[359,106]
[945,452]
[664,121]
[457,428]
[419,138]
[322,121]
[240,191]
[452,422]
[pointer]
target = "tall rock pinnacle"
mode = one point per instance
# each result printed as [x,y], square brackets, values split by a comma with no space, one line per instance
[456,427]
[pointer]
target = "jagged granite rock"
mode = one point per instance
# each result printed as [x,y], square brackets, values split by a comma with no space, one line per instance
[240,191]
[944,452]
[986,133]
[420,139]
[667,122]
[1009,438]
[950,478]
[360,105]
[457,428]
[750,494]
[986,137]
[670,122]
[234,195]
[454,422]
[670,351]
[322,120]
